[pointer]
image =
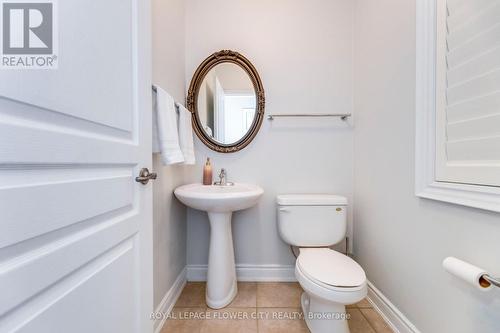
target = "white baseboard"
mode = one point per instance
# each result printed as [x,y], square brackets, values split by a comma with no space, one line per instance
[167,303]
[395,318]
[253,273]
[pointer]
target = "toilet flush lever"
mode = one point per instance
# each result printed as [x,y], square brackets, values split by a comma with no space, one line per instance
[284,210]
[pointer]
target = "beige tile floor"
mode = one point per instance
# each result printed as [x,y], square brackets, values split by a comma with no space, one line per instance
[258,308]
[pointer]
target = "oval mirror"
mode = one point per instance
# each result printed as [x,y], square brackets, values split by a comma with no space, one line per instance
[227,100]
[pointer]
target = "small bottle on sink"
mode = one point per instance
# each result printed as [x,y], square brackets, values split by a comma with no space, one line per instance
[207,173]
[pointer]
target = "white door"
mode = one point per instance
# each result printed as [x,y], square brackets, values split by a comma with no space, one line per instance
[75,227]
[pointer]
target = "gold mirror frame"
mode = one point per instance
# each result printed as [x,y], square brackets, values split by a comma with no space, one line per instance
[225,56]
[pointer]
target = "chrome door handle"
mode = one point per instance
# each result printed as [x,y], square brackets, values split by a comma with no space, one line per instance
[145,176]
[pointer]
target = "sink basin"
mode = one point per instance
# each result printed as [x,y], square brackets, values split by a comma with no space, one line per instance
[219,199]
[220,202]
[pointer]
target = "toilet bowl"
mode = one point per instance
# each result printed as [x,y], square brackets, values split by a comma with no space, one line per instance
[330,279]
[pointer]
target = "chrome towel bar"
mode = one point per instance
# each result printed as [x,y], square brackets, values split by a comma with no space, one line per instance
[177,104]
[342,116]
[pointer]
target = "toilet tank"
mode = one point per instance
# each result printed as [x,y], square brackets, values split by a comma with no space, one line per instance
[312,220]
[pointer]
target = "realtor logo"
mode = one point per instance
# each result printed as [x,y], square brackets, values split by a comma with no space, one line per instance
[28,34]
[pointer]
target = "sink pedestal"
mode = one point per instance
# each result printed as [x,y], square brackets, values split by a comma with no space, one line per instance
[221,277]
[219,202]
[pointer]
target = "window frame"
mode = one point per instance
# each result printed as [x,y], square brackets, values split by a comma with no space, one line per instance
[426,185]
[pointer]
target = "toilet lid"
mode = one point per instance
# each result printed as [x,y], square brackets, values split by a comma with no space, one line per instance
[330,267]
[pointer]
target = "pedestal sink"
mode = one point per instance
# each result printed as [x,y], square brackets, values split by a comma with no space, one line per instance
[219,202]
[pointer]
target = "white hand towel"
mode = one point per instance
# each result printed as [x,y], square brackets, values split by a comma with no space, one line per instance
[168,135]
[186,135]
[156,140]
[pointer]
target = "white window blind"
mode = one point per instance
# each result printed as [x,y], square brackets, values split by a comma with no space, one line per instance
[468,92]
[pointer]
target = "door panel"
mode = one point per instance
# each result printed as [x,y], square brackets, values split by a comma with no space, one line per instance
[74,252]
[95,44]
[89,198]
[65,307]
[75,228]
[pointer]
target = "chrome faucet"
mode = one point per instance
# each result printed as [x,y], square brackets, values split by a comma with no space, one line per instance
[223,179]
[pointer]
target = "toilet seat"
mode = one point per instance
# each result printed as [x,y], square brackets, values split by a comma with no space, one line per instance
[326,293]
[330,276]
[330,269]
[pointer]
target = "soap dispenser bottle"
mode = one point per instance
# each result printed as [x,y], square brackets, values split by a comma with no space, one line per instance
[207,173]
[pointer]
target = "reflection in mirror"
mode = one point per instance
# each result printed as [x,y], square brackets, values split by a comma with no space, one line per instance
[226,103]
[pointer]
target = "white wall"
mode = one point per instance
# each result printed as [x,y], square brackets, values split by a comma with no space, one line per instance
[303,52]
[233,78]
[206,97]
[400,239]
[169,215]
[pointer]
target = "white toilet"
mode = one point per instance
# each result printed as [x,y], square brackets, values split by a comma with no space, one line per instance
[331,280]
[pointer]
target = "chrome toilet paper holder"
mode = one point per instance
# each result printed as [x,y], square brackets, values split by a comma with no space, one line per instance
[473,275]
[491,280]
